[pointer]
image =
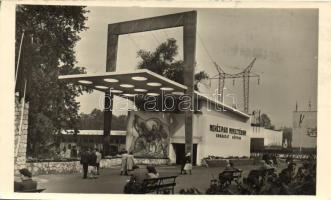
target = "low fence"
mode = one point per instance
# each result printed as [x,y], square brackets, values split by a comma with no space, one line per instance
[236,162]
[74,166]
[284,155]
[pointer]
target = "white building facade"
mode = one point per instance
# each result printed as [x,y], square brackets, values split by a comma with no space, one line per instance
[217,131]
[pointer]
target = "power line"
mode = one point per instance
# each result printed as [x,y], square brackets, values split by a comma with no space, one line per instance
[205,48]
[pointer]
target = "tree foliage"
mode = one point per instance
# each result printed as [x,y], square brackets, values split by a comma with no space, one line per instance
[162,61]
[50,35]
[202,75]
[95,121]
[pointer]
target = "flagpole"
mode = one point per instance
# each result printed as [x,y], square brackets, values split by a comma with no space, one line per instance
[19,56]
[21,121]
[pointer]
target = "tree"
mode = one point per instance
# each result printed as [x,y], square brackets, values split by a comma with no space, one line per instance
[119,122]
[92,121]
[162,61]
[50,34]
[95,120]
[202,75]
[265,121]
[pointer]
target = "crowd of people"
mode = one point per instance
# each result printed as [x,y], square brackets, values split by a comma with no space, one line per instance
[137,174]
[298,178]
[90,160]
[295,179]
[69,152]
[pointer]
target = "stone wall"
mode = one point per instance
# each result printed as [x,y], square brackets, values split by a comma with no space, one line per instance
[38,168]
[20,137]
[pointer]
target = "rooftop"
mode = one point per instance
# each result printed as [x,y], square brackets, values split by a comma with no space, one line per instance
[127,84]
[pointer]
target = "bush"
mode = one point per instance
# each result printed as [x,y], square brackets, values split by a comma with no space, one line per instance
[192,190]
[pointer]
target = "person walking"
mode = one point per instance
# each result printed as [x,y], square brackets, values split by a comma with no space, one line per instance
[182,165]
[84,160]
[124,163]
[129,162]
[93,164]
[188,165]
[98,154]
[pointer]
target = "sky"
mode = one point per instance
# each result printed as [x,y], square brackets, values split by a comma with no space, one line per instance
[283,41]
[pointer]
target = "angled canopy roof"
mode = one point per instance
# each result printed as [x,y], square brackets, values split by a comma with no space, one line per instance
[127,84]
[143,81]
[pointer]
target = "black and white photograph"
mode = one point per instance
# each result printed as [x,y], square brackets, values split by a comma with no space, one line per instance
[165,100]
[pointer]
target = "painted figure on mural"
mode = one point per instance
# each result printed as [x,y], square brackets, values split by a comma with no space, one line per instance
[152,139]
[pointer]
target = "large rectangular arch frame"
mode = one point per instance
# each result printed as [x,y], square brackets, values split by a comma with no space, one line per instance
[187,20]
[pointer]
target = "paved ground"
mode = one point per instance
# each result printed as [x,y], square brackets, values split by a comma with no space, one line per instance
[112,183]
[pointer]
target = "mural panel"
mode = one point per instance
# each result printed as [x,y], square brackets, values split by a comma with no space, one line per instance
[148,135]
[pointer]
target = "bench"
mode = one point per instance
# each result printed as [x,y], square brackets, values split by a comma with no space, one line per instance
[227,176]
[158,185]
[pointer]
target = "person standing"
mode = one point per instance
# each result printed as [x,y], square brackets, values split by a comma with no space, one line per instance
[124,163]
[129,162]
[63,152]
[68,152]
[84,160]
[98,154]
[74,152]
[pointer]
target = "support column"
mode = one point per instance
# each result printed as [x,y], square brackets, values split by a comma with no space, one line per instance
[108,113]
[189,35]
[112,45]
